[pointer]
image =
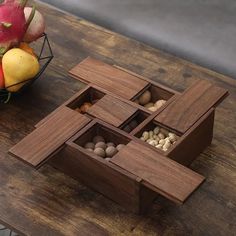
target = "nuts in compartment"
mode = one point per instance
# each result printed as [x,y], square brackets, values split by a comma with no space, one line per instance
[153,98]
[102,141]
[85,100]
[157,136]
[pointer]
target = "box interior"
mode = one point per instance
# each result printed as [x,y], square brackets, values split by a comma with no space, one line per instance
[108,134]
[150,126]
[139,117]
[91,95]
[156,92]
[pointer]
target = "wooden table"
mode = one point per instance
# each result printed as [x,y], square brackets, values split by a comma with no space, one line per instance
[46,202]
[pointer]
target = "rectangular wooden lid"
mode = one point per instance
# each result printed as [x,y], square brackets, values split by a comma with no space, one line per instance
[158,172]
[182,113]
[108,77]
[48,137]
[112,110]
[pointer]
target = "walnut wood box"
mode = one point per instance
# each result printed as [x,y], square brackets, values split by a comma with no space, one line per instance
[139,171]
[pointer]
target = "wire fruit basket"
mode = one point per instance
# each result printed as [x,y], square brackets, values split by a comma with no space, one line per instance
[44,55]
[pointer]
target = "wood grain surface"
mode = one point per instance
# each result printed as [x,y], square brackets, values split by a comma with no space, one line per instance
[157,172]
[43,141]
[47,202]
[191,105]
[112,110]
[108,77]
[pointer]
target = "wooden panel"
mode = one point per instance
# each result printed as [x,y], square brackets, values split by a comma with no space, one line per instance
[38,145]
[100,175]
[108,77]
[194,141]
[159,173]
[112,110]
[182,113]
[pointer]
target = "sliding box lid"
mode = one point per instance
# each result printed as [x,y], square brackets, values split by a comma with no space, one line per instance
[112,110]
[158,172]
[186,110]
[36,147]
[108,77]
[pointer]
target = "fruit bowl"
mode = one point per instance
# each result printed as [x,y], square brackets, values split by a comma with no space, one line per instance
[44,54]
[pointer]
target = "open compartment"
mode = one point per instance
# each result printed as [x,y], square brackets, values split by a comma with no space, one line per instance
[101,141]
[153,97]
[134,121]
[158,136]
[85,100]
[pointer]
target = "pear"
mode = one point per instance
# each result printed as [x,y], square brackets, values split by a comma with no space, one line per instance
[18,66]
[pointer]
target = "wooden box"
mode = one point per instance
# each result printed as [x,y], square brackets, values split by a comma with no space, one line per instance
[139,171]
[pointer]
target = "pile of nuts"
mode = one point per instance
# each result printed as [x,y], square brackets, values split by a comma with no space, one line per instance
[159,138]
[145,100]
[103,149]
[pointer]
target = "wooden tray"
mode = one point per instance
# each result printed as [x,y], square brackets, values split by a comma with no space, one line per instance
[138,172]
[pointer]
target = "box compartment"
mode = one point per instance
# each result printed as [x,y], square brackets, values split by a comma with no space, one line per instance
[134,121]
[150,125]
[112,110]
[157,93]
[90,95]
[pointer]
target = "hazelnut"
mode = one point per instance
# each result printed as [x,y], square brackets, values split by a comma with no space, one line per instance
[145,98]
[101,145]
[111,151]
[120,146]
[97,139]
[100,152]
[89,145]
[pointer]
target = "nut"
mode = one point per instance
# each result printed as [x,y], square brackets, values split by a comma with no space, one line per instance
[162,141]
[110,144]
[166,145]
[153,142]
[152,109]
[164,131]
[97,139]
[89,145]
[161,135]
[159,146]
[156,130]
[120,146]
[145,135]
[159,103]
[111,151]
[150,133]
[100,152]
[145,98]
[148,105]
[101,145]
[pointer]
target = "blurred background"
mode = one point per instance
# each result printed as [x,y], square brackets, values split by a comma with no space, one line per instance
[202,31]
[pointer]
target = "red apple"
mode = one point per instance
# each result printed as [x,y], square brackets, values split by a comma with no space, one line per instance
[2,84]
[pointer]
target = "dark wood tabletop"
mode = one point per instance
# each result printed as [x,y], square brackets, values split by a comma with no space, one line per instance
[47,202]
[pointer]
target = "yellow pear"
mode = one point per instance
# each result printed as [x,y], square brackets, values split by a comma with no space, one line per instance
[18,66]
